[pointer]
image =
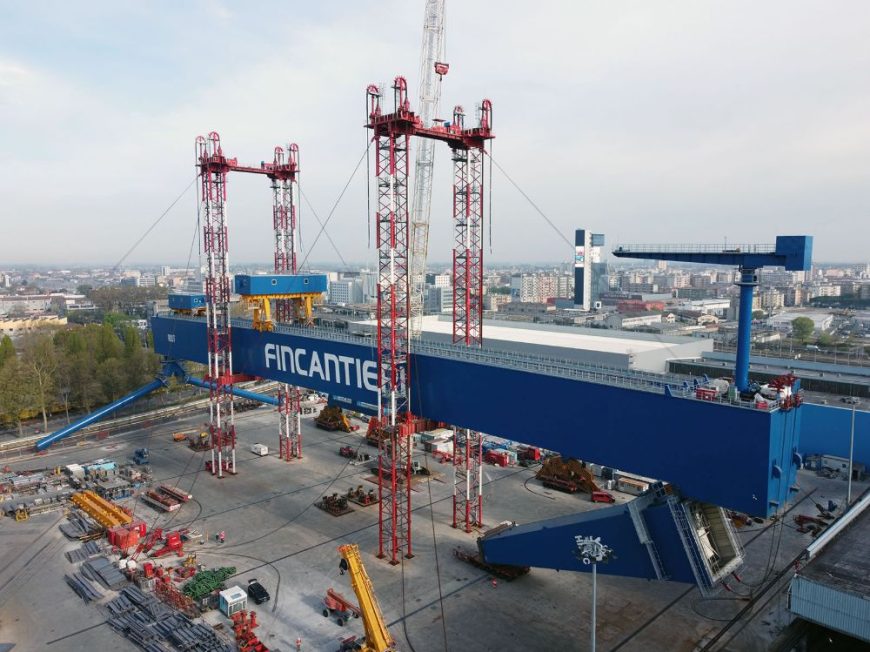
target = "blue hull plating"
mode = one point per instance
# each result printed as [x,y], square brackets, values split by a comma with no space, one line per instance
[551,544]
[739,458]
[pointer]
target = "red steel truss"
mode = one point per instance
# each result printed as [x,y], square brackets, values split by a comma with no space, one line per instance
[468,309]
[391,135]
[394,303]
[283,173]
[284,176]
[213,169]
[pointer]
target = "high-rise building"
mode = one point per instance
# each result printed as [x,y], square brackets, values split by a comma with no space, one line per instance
[588,268]
[345,291]
[437,300]
[438,280]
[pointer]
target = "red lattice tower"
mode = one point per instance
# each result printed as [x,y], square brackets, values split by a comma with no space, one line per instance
[213,169]
[468,303]
[391,135]
[392,138]
[284,176]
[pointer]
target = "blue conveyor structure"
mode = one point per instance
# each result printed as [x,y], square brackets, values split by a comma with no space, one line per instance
[169,369]
[794,252]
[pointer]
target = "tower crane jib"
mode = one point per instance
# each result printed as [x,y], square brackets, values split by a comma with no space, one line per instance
[432,69]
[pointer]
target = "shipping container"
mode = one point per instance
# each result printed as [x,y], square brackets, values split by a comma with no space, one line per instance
[280,284]
[186,301]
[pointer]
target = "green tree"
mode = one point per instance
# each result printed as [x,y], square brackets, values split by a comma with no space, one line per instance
[108,344]
[16,392]
[825,340]
[758,314]
[113,378]
[802,328]
[7,349]
[135,362]
[38,356]
[86,389]
[64,379]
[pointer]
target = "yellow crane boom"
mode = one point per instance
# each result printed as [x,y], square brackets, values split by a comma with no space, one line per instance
[378,637]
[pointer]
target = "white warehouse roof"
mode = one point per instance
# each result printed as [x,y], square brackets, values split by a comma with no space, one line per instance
[620,349]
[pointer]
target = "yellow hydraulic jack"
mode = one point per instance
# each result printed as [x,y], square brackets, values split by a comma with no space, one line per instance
[303,306]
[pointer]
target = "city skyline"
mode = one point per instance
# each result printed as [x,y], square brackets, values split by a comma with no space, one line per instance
[646,122]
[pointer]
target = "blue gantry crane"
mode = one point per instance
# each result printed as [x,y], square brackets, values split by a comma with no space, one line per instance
[793,252]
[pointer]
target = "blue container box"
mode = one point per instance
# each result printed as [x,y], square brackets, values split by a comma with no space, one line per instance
[280,284]
[186,301]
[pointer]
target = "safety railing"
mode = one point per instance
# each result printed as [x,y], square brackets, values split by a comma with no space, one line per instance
[724,248]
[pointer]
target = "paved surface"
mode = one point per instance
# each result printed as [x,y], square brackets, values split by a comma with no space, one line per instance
[276,535]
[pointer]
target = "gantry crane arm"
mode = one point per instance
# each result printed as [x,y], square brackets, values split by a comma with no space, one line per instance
[378,638]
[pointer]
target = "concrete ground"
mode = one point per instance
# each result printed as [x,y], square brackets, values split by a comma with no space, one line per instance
[431,602]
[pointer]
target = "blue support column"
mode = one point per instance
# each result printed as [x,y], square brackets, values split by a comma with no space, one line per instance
[747,283]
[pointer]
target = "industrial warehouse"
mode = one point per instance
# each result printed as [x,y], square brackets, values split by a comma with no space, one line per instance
[269,465]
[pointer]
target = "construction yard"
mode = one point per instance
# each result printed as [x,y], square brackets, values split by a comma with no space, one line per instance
[435,601]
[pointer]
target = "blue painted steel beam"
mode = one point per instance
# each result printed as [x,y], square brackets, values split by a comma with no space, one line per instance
[714,453]
[96,415]
[237,391]
[794,252]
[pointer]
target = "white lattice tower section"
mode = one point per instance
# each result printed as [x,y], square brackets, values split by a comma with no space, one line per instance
[431,53]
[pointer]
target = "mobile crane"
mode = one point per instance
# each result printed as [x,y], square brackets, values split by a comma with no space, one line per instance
[377,636]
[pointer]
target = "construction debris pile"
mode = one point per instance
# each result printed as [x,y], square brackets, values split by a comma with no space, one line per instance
[569,475]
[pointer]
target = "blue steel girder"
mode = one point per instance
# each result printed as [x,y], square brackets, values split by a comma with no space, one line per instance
[794,252]
[736,457]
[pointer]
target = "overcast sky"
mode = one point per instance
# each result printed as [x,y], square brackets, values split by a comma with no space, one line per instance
[648,121]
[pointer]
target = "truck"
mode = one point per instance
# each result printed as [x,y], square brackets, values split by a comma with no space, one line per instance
[377,636]
[260,449]
[529,453]
[602,497]
[141,456]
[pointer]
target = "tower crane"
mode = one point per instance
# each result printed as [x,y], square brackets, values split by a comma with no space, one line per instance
[432,69]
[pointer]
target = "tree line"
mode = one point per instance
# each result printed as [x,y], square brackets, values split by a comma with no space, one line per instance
[73,369]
